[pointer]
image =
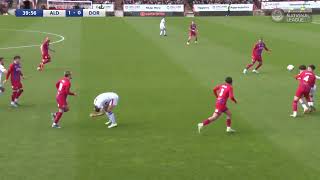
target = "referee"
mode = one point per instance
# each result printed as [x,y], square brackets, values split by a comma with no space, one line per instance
[228,12]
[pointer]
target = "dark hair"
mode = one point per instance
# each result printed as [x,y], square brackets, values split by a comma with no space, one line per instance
[1,58]
[67,74]
[302,67]
[16,57]
[313,67]
[229,80]
[96,109]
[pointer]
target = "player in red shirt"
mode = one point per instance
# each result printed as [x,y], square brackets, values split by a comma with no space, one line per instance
[302,102]
[63,91]
[45,54]
[307,80]
[257,56]
[222,92]
[193,33]
[15,73]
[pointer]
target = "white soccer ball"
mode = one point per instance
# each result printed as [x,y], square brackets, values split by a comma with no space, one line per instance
[290,67]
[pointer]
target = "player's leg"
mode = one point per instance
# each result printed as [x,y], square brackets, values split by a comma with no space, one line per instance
[110,114]
[189,38]
[196,38]
[164,31]
[258,66]
[295,104]
[161,31]
[14,95]
[45,60]
[228,121]
[308,99]
[210,119]
[304,105]
[62,108]
[19,93]
[253,61]
[311,95]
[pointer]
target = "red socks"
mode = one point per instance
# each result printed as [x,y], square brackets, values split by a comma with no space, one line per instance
[19,93]
[228,122]
[206,122]
[58,117]
[14,96]
[249,66]
[295,106]
[259,65]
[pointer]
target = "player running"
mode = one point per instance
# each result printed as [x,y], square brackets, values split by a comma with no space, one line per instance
[63,91]
[193,33]
[45,54]
[307,80]
[257,56]
[2,71]
[222,92]
[163,27]
[104,104]
[301,100]
[15,73]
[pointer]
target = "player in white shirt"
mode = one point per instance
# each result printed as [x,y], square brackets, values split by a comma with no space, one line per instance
[2,71]
[104,104]
[163,27]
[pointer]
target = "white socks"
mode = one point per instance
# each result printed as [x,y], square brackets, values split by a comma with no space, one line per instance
[111,117]
[310,104]
[162,32]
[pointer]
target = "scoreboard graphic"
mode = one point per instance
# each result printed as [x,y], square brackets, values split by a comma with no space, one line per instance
[61,13]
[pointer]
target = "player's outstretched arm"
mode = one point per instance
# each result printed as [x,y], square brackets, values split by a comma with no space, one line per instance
[318,77]
[96,114]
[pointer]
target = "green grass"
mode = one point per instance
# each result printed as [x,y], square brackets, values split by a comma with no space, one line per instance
[165,90]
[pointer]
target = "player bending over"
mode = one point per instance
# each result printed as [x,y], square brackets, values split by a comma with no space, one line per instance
[307,80]
[45,54]
[257,56]
[163,27]
[15,73]
[193,33]
[104,104]
[63,91]
[2,71]
[222,92]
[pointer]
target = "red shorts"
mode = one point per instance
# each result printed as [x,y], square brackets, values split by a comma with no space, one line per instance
[16,85]
[62,102]
[46,57]
[220,108]
[303,91]
[192,34]
[256,58]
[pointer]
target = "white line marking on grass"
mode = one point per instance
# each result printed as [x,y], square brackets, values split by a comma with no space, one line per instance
[32,45]
[315,22]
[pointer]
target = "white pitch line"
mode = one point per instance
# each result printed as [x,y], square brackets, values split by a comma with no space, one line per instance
[32,45]
[315,22]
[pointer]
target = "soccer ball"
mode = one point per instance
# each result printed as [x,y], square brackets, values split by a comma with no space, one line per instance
[290,67]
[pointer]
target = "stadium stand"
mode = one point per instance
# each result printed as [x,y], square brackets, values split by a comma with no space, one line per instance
[153,2]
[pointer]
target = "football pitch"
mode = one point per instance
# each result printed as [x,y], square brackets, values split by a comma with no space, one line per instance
[165,89]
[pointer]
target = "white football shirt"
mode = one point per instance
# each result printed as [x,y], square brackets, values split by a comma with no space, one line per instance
[2,70]
[103,99]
